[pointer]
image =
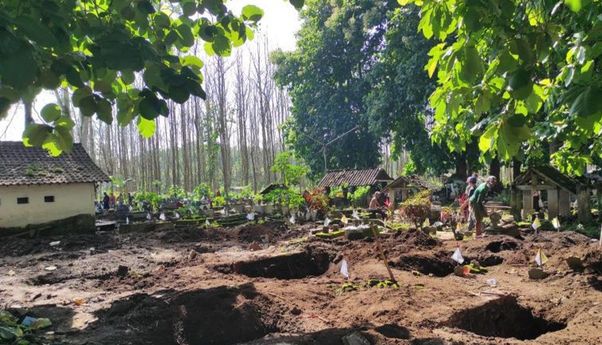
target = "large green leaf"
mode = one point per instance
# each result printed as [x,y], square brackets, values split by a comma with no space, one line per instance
[35,31]
[252,13]
[18,69]
[588,102]
[35,134]
[51,112]
[146,127]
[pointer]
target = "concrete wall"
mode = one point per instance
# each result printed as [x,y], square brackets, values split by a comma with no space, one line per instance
[69,200]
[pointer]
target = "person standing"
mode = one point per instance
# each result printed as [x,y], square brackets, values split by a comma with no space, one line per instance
[470,188]
[477,203]
[105,201]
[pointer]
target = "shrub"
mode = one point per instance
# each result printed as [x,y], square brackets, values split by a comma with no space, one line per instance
[417,208]
[359,194]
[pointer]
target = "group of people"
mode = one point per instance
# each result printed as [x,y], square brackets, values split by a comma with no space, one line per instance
[109,201]
[473,202]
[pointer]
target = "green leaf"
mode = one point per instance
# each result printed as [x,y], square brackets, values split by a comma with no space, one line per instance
[252,13]
[146,127]
[574,5]
[51,112]
[520,84]
[162,20]
[64,122]
[104,111]
[148,109]
[471,66]
[87,105]
[487,140]
[73,77]
[221,46]
[35,134]
[588,102]
[185,35]
[52,146]
[19,68]
[49,80]
[35,31]
[192,60]
[79,94]
[298,4]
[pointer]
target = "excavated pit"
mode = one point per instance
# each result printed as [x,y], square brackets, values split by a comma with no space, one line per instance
[290,266]
[439,265]
[498,246]
[218,316]
[503,318]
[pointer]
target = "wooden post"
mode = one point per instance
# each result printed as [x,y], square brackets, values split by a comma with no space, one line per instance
[527,202]
[564,203]
[515,203]
[553,209]
[584,212]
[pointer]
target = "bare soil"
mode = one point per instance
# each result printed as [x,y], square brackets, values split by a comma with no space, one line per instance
[273,284]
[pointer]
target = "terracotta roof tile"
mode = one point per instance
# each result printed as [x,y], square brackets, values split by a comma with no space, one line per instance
[354,178]
[20,165]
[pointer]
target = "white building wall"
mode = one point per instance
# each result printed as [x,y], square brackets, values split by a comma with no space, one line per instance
[69,200]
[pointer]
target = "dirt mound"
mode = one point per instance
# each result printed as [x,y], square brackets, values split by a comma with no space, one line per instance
[417,239]
[503,318]
[218,316]
[259,232]
[593,261]
[311,262]
[438,264]
[68,243]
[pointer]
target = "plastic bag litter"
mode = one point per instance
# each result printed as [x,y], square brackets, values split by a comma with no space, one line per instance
[457,256]
[344,269]
[251,216]
[556,223]
[292,219]
[327,221]
[55,243]
[355,215]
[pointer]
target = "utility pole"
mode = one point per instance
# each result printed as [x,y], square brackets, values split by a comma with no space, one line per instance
[326,144]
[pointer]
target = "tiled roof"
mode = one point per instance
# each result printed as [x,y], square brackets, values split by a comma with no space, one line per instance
[410,182]
[20,165]
[354,178]
[551,174]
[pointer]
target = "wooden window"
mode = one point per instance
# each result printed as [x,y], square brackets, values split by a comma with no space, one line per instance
[49,198]
[23,200]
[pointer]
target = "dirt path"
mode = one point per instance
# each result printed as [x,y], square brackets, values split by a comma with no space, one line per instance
[272,285]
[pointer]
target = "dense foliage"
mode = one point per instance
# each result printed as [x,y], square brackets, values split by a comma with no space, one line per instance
[518,74]
[98,48]
[417,208]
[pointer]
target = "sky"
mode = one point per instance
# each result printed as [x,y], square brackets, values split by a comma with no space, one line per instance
[279,24]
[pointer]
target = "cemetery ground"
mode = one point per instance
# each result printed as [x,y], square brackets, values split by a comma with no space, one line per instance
[273,284]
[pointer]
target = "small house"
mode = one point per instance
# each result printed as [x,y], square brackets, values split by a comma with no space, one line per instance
[546,184]
[404,186]
[349,180]
[36,188]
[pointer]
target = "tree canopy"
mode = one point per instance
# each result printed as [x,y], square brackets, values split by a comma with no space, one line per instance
[326,77]
[517,74]
[397,104]
[97,48]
